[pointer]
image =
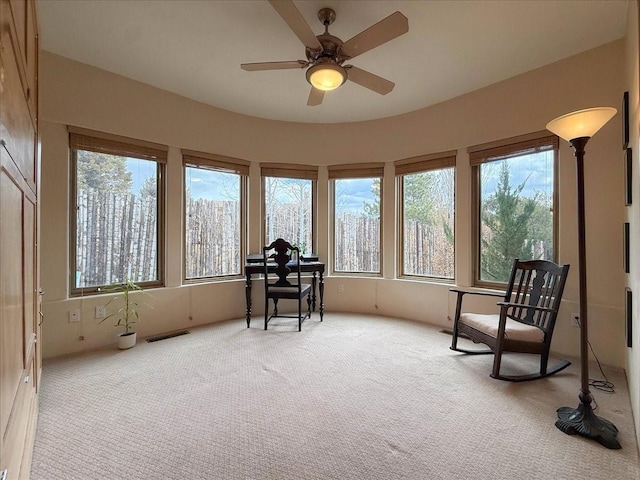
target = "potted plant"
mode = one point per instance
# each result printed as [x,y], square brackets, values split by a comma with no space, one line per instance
[127,314]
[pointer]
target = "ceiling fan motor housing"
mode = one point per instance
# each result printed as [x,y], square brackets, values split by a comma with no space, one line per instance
[326,62]
[331,47]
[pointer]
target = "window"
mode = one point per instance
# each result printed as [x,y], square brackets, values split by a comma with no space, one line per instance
[289,193]
[117,216]
[357,232]
[426,203]
[514,193]
[214,232]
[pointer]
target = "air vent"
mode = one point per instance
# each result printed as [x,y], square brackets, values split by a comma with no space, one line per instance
[157,338]
[450,332]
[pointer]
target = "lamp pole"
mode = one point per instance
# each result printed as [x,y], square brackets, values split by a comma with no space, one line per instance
[582,420]
[578,145]
[578,127]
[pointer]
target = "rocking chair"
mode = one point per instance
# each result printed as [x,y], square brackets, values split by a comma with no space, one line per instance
[525,323]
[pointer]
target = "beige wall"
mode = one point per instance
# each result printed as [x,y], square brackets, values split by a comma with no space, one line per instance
[81,95]
[632,213]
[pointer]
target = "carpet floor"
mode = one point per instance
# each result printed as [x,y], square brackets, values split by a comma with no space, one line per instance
[353,397]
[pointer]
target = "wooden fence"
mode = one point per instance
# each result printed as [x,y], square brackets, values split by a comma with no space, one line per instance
[357,243]
[291,222]
[427,251]
[117,239]
[212,238]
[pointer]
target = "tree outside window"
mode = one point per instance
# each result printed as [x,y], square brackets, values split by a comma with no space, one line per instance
[357,232]
[427,205]
[516,211]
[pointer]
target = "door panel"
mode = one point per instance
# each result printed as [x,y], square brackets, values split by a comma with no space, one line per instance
[30,296]
[16,127]
[12,351]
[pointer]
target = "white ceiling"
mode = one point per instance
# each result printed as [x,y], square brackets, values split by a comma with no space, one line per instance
[195,48]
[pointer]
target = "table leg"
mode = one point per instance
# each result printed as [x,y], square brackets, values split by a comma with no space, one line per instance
[313,291]
[247,292]
[321,295]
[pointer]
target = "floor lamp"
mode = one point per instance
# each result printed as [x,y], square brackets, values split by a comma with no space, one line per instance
[577,128]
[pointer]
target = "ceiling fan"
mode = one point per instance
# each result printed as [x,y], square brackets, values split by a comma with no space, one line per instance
[326,53]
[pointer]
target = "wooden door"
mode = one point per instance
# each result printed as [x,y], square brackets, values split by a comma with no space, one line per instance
[20,363]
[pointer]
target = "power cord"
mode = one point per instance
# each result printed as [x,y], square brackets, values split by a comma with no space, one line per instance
[602,385]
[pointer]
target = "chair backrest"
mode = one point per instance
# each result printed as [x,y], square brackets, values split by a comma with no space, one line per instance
[287,259]
[539,283]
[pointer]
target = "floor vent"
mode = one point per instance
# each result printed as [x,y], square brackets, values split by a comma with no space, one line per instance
[167,335]
[450,332]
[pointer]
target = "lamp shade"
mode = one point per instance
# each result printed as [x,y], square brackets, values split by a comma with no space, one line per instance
[326,76]
[583,123]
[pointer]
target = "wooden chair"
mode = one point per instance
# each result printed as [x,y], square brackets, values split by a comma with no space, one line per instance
[525,323]
[287,261]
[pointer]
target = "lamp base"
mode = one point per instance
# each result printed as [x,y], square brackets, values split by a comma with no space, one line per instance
[582,421]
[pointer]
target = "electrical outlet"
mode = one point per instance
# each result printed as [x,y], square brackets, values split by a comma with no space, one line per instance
[340,288]
[575,319]
[74,315]
[100,311]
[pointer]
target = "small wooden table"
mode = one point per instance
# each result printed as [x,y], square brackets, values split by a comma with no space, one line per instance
[254,266]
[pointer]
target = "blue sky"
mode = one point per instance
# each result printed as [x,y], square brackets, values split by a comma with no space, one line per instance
[538,167]
[212,185]
[353,193]
[202,183]
[140,170]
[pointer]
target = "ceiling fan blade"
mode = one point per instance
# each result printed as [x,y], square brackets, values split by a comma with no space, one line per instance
[315,97]
[386,29]
[369,80]
[254,67]
[292,16]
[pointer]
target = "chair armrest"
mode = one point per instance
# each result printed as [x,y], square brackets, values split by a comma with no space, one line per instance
[503,316]
[460,295]
[474,292]
[520,305]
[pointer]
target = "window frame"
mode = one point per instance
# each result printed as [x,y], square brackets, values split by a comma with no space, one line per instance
[503,150]
[296,172]
[224,164]
[416,165]
[355,171]
[81,139]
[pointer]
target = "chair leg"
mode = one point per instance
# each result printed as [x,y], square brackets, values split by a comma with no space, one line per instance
[266,312]
[497,358]
[544,361]
[454,339]
[299,314]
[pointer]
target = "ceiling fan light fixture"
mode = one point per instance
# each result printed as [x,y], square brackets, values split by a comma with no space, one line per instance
[326,76]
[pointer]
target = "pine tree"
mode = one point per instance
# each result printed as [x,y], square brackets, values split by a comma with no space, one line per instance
[505,236]
[419,198]
[103,172]
[149,187]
